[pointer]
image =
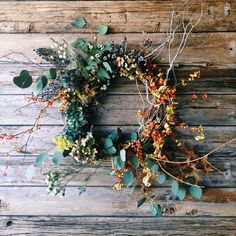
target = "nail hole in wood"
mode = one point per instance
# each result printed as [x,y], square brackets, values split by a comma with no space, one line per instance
[9,223]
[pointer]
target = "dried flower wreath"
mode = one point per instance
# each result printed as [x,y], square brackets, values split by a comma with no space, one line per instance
[80,77]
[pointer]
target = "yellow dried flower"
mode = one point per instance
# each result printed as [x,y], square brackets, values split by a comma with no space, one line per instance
[63,143]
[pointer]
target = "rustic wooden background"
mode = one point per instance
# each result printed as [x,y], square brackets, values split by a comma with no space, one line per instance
[26,209]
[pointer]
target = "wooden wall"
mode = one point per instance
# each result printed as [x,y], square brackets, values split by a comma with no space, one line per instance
[26,209]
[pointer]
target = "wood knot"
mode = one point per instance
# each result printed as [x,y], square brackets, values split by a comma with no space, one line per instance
[8,223]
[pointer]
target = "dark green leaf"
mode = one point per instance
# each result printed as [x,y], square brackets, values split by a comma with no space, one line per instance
[134,160]
[128,178]
[181,193]
[150,163]
[41,158]
[156,209]
[174,187]
[123,155]
[195,191]
[119,163]
[102,29]
[108,143]
[51,74]
[114,135]
[79,42]
[40,84]
[161,178]
[111,150]
[134,136]
[30,172]
[24,80]
[102,74]
[57,157]
[141,201]
[79,23]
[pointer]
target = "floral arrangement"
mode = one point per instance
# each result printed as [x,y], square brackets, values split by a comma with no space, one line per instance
[80,76]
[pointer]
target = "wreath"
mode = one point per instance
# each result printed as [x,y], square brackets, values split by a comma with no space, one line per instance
[80,76]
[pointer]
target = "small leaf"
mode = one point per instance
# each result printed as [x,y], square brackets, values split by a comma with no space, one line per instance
[57,157]
[41,158]
[108,143]
[195,191]
[155,168]
[134,136]
[102,74]
[156,209]
[102,29]
[150,163]
[123,155]
[41,83]
[119,164]
[107,66]
[141,201]
[161,178]
[79,42]
[174,187]
[24,80]
[51,74]
[79,23]
[30,172]
[128,178]
[134,160]
[111,150]
[181,193]
[114,135]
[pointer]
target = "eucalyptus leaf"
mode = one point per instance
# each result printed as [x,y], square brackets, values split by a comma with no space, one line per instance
[119,164]
[161,178]
[181,193]
[111,150]
[196,191]
[174,187]
[108,143]
[134,160]
[107,66]
[102,29]
[79,42]
[123,155]
[156,209]
[102,74]
[141,201]
[30,172]
[79,23]
[24,80]
[41,158]
[40,84]
[134,136]
[128,178]
[51,74]
[57,157]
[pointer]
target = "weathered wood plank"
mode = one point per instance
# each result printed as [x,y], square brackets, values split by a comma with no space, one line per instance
[42,139]
[105,201]
[15,167]
[116,110]
[121,16]
[213,80]
[65,225]
[201,48]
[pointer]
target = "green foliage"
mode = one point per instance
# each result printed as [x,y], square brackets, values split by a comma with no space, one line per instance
[79,23]
[128,178]
[102,74]
[119,164]
[156,209]
[102,29]
[24,80]
[57,157]
[51,74]
[141,201]
[134,136]
[161,178]
[108,143]
[181,193]
[79,42]
[134,160]
[41,158]
[30,172]
[107,66]
[40,84]
[110,150]
[123,155]
[155,168]
[174,187]
[196,191]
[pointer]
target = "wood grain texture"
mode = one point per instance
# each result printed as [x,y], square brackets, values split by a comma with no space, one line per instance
[115,110]
[16,173]
[69,225]
[121,16]
[201,48]
[105,201]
